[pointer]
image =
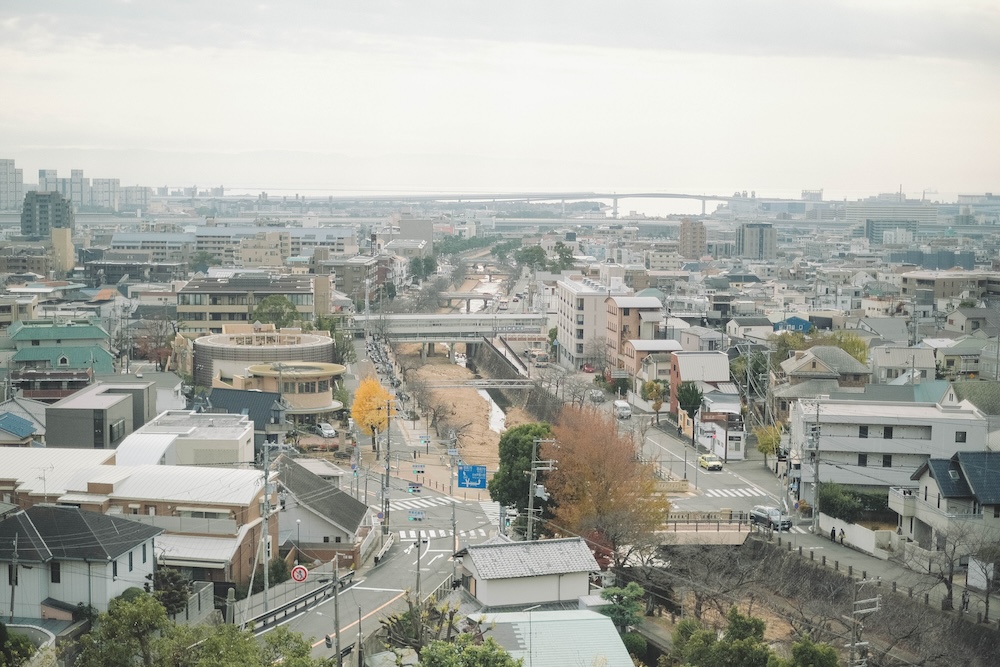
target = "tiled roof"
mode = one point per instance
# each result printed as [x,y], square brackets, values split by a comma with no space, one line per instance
[255,404]
[76,357]
[838,360]
[16,426]
[46,532]
[532,559]
[321,495]
[985,395]
[19,331]
[982,473]
[752,322]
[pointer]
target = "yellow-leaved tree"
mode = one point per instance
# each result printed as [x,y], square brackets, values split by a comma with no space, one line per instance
[371,409]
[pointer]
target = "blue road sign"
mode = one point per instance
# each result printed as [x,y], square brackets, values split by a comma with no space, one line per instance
[472,477]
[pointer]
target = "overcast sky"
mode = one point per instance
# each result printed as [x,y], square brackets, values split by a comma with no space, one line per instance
[856,97]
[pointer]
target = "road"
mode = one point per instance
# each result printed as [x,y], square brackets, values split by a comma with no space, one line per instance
[379,590]
[738,486]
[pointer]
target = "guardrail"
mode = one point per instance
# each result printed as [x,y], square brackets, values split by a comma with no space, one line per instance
[300,603]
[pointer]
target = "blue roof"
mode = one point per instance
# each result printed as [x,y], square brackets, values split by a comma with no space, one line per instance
[17,426]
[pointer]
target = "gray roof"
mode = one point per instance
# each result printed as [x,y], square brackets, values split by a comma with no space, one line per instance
[258,405]
[838,360]
[33,411]
[636,302]
[984,394]
[47,532]
[966,475]
[808,389]
[753,322]
[510,560]
[890,328]
[320,495]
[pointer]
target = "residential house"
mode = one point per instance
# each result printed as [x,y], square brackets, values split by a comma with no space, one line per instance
[825,362]
[265,408]
[634,352]
[951,511]
[318,518]
[501,573]
[59,557]
[793,323]
[50,386]
[876,444]
[893,362]
[702,339]
[100,416]
[16,431]
[971,320]
[33,411]
[53,345]
[962,360]
[754,328]
[707,368]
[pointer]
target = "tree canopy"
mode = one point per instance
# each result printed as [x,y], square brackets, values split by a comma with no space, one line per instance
[533,257]
[626,604]
[464,652]
[369,410]
[509,485]
[600,486]
[277,310]
[137,632]
[689,398]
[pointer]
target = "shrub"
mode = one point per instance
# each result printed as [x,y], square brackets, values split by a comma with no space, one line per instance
[635,644]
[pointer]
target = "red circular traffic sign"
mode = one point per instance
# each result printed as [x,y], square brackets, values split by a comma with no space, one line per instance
[300,573]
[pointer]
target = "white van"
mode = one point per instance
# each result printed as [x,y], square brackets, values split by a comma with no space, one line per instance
[623,410]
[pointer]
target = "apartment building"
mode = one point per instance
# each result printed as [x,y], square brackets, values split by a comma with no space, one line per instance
[693,239]
[357,274]
[207,303]
[876,443]
[45,211]
[11,186]
[25,259]
[757,240]
[265,249]
[630,318]
[163,246]
[582,319]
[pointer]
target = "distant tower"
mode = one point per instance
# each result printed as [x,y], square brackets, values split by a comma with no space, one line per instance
[45,211]
[693,240]
[11,186]
[757,240]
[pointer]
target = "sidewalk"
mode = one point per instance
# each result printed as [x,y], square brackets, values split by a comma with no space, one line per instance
[892,575]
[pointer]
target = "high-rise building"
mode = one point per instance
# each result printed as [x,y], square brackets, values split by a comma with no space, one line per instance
[757,240]
[693,240]
[45,211]
[11,186]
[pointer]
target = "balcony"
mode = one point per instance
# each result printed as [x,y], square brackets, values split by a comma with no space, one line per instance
[903,500]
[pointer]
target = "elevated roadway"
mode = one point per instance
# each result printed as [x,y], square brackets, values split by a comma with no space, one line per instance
[451,328]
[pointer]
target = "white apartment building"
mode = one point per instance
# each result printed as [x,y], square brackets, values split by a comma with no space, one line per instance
[878,444]
[11,186]
[581,318]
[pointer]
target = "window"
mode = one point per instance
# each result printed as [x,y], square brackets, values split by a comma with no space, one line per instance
[862,431]
[118,430]
[326,538]
[862,460]
[960,436]
[887,433]
[129,561]
[143,553]
[55,573]
[925,493]
[337,539]
[63,361]
[996,511]
[114,568]
[887,460]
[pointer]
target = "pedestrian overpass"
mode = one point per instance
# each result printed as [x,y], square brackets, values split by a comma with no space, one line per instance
[450,327]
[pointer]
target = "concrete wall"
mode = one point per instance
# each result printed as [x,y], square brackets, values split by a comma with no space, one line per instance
[532,590]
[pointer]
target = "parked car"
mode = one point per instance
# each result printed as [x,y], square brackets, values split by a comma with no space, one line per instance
[587,368]
[597,396]
[710,462]
[767,515]
[326,430]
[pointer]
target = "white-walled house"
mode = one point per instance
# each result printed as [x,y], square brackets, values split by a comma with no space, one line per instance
[502,573]
[67,556]
[876,443]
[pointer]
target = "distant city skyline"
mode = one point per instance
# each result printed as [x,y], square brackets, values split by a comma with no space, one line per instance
[852,98]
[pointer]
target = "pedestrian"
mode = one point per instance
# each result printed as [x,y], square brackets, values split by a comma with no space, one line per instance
[841,535]
[965,601]
[833,534]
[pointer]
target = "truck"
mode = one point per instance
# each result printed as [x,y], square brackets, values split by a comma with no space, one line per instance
[623,410]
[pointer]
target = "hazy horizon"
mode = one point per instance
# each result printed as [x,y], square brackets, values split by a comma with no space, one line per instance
[775,96]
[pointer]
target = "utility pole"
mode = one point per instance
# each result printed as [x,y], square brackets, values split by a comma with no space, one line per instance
[336,606]
[813,439]
[385,483]
[265,540]
[361,650]
[454,526]
[860,609]
[13,579]
[535,467]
